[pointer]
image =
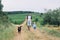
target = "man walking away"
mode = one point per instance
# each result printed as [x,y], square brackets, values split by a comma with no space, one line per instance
[29,18]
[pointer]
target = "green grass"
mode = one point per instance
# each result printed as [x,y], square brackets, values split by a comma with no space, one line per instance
[17,18]
[7,33]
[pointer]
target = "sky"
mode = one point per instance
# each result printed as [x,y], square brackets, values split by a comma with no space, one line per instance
[30,5]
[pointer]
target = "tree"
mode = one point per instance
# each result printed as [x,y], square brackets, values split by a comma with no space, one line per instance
[36,20]
[3,16]
[0,10]
[52,17]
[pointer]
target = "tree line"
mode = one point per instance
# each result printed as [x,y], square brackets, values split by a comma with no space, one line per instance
[52,17]
[18,12]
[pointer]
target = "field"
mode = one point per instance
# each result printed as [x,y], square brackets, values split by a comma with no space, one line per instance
[19,18]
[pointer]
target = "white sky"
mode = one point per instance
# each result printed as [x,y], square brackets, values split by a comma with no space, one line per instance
[30,5]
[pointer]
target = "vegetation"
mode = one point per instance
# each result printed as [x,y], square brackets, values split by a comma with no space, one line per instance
[6,28]
[51,32]
[41,19]
[7,33]
[52,17]
[17,18]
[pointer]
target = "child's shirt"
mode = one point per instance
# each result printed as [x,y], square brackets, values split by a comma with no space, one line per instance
[34,25]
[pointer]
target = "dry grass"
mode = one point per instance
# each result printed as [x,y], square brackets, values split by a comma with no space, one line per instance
[32,34]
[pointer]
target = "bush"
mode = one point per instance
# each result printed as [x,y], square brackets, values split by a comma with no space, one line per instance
[36,19]
[52,17]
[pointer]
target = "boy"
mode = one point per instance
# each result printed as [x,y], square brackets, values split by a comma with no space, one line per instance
[34,26]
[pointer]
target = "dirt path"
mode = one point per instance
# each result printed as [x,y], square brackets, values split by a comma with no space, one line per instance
[32,34]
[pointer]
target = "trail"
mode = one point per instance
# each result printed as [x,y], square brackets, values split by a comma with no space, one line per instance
[32,34]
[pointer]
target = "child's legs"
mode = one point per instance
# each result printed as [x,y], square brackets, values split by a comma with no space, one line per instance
[34,28]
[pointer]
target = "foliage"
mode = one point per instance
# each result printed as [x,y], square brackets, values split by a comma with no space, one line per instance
[6,30]
[17,18]
[36,20]
[52,17]
[3,16]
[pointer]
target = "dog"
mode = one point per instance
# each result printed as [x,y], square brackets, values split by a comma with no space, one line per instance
[19,29]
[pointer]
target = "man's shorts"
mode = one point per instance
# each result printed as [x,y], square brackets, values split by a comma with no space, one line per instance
[28,23]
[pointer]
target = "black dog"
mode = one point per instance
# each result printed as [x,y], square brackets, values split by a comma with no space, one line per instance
[19,29]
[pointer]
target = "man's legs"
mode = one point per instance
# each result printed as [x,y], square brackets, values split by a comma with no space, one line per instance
[28,27]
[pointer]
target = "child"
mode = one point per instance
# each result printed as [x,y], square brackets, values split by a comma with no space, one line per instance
[34,26]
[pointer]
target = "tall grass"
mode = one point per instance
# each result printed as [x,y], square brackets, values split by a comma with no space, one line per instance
[51,32]
[7,33]
[54,33]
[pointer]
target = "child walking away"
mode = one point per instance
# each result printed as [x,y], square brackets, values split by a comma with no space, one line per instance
[34,26]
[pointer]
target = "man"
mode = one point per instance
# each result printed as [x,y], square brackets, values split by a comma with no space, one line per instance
[29,17]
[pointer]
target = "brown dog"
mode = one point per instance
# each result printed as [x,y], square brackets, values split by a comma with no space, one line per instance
[19,29]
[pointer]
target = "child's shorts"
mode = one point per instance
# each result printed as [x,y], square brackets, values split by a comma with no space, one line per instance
[34,27]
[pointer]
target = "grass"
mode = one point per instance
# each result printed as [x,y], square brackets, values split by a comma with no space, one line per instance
[51,32]
[17,18]
[54,33]
[7,33]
